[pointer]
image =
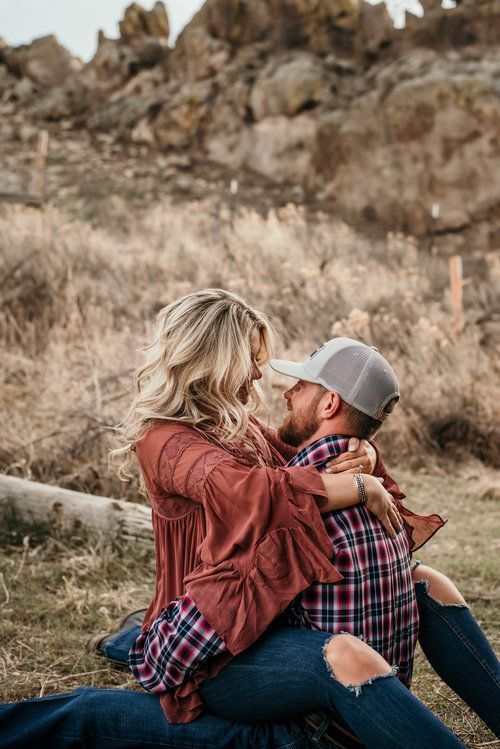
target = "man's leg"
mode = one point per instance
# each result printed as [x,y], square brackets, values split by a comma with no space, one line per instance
[91,718]
[455,645]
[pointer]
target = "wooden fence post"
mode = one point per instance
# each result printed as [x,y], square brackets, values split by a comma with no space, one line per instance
[37,182]
[456,288]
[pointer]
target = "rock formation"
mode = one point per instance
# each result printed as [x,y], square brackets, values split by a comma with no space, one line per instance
[324,94]
[44,61]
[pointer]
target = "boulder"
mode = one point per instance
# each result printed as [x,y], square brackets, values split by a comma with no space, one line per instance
[178,124]
[321,26]
[114,66]
[289,86]
[280,147]
[138,22]
[7,80]
[472,22]
[44,61]
[199,55]
[237,22]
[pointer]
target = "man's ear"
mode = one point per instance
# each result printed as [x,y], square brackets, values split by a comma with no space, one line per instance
[330,405]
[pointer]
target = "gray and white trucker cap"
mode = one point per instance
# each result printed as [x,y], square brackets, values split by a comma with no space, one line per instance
[357,372]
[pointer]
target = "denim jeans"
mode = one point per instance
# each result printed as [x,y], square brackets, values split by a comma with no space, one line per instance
[452,641]
[91,718]
[285,674]
[116,646]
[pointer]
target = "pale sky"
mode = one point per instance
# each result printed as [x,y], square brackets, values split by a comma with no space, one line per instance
[76,22]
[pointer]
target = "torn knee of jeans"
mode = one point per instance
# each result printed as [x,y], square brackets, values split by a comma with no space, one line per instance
[424,585]
[356,688]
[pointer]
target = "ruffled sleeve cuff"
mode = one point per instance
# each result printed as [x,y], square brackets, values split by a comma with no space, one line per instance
[419,528]
[286,560]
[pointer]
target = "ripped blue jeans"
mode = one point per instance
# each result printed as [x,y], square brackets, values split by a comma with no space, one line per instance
[457,649]
[285,674]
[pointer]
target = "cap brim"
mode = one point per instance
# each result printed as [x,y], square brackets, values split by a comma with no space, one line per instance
[289,368]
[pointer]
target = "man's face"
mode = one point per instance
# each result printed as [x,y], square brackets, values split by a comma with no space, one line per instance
[302,421]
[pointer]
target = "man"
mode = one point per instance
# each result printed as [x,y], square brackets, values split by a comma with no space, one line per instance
[344,388]
[347,389]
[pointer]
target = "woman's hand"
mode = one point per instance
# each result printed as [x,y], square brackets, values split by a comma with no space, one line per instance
[342,491]
[360,458]
[382,505]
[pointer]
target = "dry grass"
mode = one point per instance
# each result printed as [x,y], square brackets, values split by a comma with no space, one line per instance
[77,302]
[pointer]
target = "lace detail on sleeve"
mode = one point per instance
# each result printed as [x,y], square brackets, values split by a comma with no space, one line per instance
[186,462]
[195,479]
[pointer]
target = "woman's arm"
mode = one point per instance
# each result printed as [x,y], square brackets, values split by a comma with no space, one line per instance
[342,491]
[365,457]
[187,461]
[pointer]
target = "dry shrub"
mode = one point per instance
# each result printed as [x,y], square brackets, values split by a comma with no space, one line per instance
[77,304]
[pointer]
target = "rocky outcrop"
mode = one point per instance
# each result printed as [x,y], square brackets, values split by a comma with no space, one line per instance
[413,141]
[324,94]
[138,23]
[289,86]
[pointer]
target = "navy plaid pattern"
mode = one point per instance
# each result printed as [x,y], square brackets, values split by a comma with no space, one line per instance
[179,641]
[376,598]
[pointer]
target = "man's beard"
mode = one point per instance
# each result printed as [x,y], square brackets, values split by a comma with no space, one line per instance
[299,427]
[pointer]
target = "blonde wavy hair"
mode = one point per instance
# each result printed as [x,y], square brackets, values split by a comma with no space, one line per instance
[199,360]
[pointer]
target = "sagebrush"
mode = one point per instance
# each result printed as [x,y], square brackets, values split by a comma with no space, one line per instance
[77,303]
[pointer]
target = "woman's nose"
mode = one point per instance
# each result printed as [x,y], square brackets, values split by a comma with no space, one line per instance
[256,373]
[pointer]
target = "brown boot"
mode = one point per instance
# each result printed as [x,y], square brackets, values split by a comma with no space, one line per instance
[95,643]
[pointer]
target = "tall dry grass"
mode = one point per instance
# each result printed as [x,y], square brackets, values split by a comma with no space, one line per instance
[77,303]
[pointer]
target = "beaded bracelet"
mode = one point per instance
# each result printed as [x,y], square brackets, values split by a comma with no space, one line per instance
[361,488]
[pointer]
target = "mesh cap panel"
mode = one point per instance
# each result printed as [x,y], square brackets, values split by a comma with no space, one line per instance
[362,378]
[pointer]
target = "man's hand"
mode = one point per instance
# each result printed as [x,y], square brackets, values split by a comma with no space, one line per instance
[360,458]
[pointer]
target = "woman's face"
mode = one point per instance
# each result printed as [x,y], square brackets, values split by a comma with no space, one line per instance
[256,373]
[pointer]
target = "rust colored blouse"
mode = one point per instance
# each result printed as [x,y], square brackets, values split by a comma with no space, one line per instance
[240,532]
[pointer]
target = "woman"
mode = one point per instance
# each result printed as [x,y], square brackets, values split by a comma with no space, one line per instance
[196,442]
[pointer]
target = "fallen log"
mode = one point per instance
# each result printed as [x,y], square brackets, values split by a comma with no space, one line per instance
[67,510]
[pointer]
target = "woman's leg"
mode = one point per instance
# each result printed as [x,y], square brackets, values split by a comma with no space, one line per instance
[294,671]
[115,646]
[455,645]
[325,730]
[91,718]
